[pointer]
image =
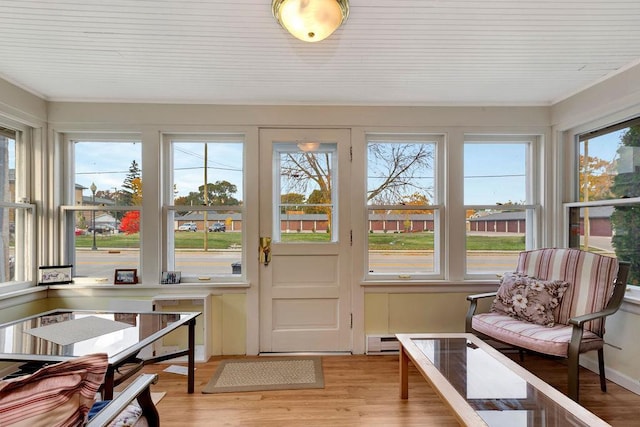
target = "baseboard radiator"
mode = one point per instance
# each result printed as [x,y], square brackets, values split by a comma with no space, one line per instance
[382,344]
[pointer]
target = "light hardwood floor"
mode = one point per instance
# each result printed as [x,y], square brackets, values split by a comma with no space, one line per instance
[359,391]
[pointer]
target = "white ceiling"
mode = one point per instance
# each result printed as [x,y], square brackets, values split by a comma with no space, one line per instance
[402,52]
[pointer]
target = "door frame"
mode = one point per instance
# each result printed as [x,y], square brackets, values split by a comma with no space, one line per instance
[345,274]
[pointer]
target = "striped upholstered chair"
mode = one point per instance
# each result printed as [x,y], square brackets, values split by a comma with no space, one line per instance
[62,394]
[595,286]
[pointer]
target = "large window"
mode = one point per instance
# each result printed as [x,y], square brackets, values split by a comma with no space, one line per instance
[104,200]
[403,207]
[16,215]
[500,202]
[205,212]
[606,216]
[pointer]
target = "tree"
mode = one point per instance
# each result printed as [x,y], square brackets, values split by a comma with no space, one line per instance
[220,193]
[399,169]
[132,185]
[626,219]
[136,188]
[596,178]
[130,223]
[131,196]
[292,199]
[304,171]
[317,197]
[192,199]
[415,199]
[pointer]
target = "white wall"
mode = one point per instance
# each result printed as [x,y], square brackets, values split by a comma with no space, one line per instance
[22,106]
[613,99]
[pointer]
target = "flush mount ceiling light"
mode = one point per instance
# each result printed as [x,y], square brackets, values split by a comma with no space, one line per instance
[310,20]
[309,147]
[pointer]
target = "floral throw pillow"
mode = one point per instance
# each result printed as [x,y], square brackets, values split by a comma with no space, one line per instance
[528,298]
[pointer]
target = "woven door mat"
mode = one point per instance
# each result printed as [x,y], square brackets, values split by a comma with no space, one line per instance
[266,373]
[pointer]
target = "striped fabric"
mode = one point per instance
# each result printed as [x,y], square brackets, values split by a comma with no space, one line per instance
[56,395]
[553,341]
[591,280]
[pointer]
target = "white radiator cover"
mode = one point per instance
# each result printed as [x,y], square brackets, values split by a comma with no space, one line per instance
[382,344]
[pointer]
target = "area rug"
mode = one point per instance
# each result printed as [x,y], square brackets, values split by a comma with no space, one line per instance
[266,373]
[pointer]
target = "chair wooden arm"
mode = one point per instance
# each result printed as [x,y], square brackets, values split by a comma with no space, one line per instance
[473,304]
[581,320]
[139,389]
[481,296]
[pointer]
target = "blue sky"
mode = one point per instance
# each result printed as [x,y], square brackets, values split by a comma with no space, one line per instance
[96,163]
[105,164]
[494,173]
[605,146]
[491,175]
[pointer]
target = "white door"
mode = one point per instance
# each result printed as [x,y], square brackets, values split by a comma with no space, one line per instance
[305,287]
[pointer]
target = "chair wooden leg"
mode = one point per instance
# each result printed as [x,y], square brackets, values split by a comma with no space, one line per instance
[521,354]
[603,379]
[573,362]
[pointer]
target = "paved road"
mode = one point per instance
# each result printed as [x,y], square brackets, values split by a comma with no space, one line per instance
[101,263]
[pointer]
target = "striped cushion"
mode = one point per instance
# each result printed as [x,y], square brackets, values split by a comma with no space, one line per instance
[554,340]
[56,395]
[591,280]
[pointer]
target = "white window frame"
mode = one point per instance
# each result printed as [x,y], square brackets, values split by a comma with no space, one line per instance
[169,209]
[633,292]
[438,207]
[25,248]
[70,206]
[532,206]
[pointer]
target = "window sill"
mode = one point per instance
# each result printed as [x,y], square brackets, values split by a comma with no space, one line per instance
[14,288]
[631,301]
[140,286]
[433,286]
[19,293]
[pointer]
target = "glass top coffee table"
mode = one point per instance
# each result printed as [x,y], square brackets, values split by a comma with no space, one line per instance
[126,337]
[485,388]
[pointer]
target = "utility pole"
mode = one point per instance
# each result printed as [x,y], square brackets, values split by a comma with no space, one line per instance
[93,189]
[586,222]
[206,202]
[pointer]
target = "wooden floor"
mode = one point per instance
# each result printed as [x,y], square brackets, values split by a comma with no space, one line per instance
[359,390]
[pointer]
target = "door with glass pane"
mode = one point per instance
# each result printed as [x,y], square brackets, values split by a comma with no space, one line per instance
[305,302]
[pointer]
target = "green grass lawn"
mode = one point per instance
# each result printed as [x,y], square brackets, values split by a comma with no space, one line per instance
[424,241]
[377,241]
[183,240]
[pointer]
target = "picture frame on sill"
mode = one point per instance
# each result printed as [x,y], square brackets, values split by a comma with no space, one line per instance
[170,278]
[55,274]
[125,276]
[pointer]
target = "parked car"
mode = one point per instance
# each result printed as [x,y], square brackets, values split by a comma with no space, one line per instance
[218,227]
[188,226]
[101,228]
